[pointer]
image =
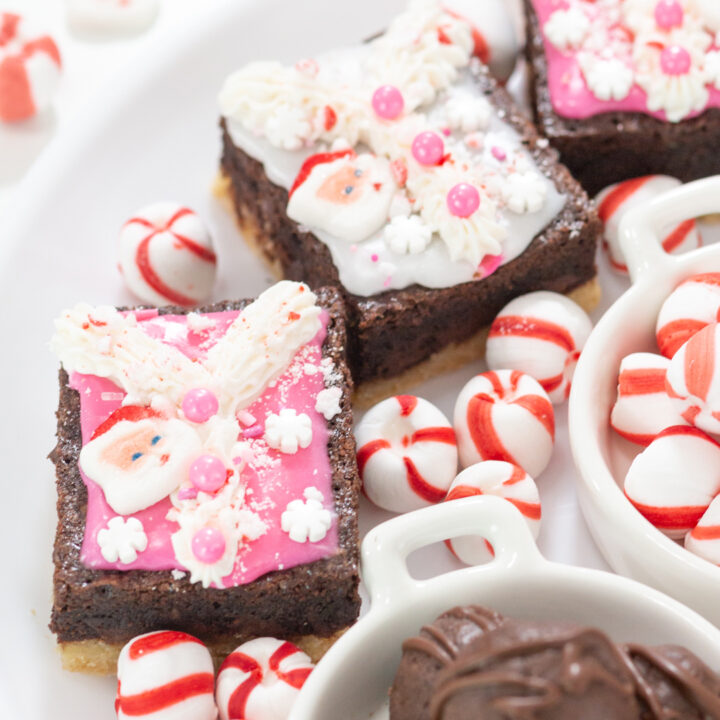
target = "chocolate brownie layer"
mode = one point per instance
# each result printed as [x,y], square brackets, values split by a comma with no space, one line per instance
[394,330]
[605,149]
[473,663]
[316,599]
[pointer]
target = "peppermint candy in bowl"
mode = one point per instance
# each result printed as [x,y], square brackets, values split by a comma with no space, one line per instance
[166,255]
[642,504]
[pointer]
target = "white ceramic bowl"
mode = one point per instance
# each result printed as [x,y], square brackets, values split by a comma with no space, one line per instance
[352,680]
[630,544]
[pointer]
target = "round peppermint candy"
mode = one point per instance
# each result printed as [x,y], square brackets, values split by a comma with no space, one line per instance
[110,17]
[503,480]
[165,675]
[505,415]
[407,454]
[674,479]
[692,305]
[693,377]
[541,334]
[261,680]
[166,255]
[643,408]
[613,203]
[704,538]
[29,69]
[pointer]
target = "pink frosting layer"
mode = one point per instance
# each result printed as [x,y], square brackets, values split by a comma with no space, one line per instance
[570,95]
[273,478]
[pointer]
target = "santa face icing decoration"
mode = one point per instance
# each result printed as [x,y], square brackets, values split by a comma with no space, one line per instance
[348,196]
[138,457]
[199,431]
[392,157]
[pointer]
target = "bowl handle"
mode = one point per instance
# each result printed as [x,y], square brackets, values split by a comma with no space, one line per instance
[386,547]
[640,229]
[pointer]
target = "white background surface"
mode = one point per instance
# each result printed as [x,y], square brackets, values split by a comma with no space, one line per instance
[147,132]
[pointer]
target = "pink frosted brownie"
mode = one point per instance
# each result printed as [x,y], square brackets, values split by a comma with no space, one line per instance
[206,473]
[627,88]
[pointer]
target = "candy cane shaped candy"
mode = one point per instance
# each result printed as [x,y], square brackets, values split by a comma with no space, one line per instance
[505,415]
[111,16]
[261,679]
[704,538]
[614,201]
[693,304]
[674,479]
[166,255]
[165,675]
[503,480]
[29,69]
[407,453]
[541,334]
[496,40]
[643,407]
[692,377]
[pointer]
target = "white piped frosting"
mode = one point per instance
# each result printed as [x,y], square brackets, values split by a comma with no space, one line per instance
[425,55]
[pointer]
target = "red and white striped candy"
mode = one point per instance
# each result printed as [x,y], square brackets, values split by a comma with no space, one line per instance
[693,304]
[693,376]
[111,16]
[501,479]
[505,415]
[165,675]
[541,334]
[674,479]
[493,30]
[167,256]
[29,69]
[704,538]
[643,407]
[407,453]
[261,680]
[614,201]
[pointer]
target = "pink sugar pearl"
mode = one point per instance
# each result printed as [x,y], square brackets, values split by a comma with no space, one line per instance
[463,200]
[208,545]
[675,60]
[199,405]
[668,14]
[428,148]
[208,473]
[387,102]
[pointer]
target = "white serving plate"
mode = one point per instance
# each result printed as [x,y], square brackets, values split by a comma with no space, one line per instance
[631,545]
[153,135]
[352,680]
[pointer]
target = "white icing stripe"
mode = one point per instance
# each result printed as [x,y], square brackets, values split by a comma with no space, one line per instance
[262,341]
[281,116]
[256,348]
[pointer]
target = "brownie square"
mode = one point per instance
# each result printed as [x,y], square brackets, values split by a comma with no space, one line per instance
[392,332]
[617,145]
[101,608]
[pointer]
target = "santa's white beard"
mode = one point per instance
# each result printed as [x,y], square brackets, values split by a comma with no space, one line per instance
[351,221]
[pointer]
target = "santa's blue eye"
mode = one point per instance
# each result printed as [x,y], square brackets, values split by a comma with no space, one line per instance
[348,189]
[358,173]
[136,456]
[156,440]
